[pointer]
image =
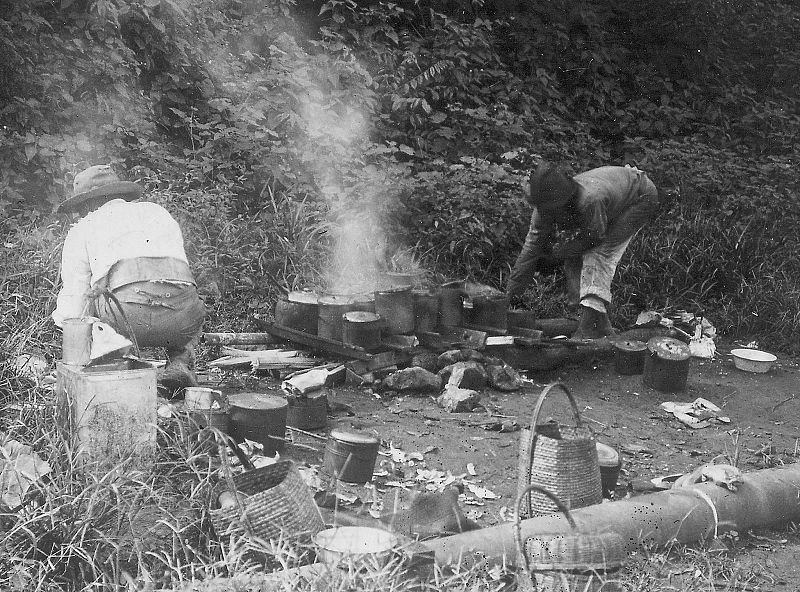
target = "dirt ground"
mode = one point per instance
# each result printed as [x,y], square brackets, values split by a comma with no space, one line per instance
[764,431]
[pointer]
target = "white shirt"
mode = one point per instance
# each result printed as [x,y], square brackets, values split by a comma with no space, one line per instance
[116,230]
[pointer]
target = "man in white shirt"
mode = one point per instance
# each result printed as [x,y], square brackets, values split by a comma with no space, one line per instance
[134,251]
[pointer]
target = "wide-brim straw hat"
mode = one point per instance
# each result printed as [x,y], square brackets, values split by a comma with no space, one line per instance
[99,181]
[550,187]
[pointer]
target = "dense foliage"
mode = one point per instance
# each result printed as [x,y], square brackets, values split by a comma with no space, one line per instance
[277,133]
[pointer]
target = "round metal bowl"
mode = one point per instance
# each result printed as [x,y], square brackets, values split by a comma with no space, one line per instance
[355,545]
[753,360]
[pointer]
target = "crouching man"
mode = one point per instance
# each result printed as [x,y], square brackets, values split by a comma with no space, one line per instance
[124,262]
[606,206]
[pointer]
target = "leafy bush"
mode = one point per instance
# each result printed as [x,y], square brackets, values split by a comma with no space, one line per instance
[268,145]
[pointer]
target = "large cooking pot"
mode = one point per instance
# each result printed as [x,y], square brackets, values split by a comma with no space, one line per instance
[259,417]
[362,329]
[451,304]
[396,308]
[299,310]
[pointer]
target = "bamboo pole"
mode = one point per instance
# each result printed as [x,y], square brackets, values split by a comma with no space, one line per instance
[687,515]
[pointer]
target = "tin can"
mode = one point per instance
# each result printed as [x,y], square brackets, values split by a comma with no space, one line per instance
[629,356]
[308,412]
[76,345]
[610,466]
[351,456]
[666,364]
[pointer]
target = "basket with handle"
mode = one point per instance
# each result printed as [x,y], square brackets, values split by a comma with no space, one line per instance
[271,502]
[572,562]
[562,459]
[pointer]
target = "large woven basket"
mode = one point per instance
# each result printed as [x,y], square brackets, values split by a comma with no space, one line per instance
[573,562]
[274,503]
[561,459]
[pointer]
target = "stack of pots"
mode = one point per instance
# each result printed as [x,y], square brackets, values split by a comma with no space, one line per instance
[399,306]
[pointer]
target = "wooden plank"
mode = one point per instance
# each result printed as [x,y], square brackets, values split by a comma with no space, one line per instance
[499,340]
[316,342]
[237,338]
[484,329]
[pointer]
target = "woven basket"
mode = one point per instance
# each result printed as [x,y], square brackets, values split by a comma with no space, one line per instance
[561,459]
[276,504]
[576,562]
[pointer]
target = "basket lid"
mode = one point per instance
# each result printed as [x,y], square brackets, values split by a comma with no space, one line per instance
[669,348]
[353,437]
[576,551]
[606,455]
[256,401]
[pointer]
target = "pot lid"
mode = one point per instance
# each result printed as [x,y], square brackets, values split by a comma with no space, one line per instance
[303,297]
[353,437]
[630,345]
[345,299]
[393,290]
[361,316]
[668,348]
[425,293]
[256,401]
[606,455]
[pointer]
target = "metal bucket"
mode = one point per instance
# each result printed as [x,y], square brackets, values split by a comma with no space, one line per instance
[299,311]
[331,309]
[307,412]
[362,329]
[259,417]
[666,364]
[629,356]
[426,310]
[396,308]
[451,305]
[351,456]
